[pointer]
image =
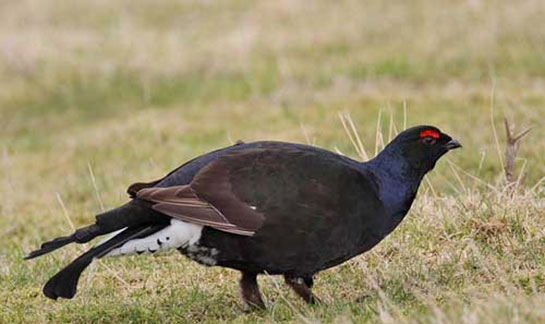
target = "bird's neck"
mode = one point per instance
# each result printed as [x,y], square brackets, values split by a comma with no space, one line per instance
[398,182]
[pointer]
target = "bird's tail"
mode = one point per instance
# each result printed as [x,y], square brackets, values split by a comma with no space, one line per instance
[132,214]
[82,235]
[135,219]
[64,283]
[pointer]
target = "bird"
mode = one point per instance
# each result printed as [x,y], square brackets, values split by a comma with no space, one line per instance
[265,207]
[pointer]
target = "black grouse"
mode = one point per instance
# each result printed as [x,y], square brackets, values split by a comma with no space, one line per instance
[264,207]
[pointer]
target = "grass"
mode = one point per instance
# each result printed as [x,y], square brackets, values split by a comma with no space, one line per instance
[97,95]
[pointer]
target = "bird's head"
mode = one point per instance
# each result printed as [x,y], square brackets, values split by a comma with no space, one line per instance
[420,147]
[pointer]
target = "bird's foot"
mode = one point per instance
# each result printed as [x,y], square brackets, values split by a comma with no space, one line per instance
[249,290]
[302,287]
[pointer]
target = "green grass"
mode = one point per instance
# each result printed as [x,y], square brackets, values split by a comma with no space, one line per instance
[129,90]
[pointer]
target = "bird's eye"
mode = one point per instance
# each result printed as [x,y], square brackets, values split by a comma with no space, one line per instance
[428,140]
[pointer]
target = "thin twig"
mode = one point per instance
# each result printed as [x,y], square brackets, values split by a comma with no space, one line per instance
[391,127]
[431,186]
[378,133]
[357,137]
[477,179]
[451,164]
[353,135]
[538,183]
[65,211]
[92,174]
[511,149]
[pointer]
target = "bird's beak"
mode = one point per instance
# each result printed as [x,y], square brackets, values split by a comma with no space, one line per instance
[453,144]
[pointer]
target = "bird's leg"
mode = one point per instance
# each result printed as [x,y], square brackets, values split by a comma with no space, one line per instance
[249,290]
[302,287]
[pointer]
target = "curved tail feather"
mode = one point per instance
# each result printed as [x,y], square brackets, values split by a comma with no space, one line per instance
[64,283]
[132,214]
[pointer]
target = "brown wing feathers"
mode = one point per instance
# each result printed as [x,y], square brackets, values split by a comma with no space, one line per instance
[215,185]
[210,199]
[180,202]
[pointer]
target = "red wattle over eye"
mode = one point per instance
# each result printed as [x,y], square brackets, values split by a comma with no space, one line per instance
[429,132]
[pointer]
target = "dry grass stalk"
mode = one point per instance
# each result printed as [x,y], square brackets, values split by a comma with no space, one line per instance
[511,150]
[352,133]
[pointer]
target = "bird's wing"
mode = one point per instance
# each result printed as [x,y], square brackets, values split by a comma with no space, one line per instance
[180,202]
[241,190]
[136,187]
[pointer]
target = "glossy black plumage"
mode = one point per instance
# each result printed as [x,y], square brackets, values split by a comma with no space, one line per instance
[314,214]
[276,207]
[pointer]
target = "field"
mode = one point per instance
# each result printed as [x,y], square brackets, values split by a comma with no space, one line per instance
[96,95]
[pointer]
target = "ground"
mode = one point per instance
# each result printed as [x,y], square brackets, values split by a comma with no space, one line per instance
[97,95]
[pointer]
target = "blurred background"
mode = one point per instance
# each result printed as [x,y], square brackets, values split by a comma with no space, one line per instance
[95,95]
